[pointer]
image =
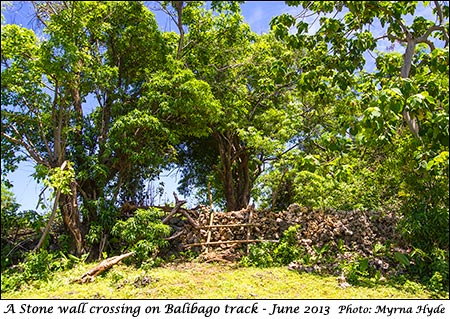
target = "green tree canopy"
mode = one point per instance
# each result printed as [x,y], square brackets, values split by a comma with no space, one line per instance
[251,76]
[394,117]
[103,89]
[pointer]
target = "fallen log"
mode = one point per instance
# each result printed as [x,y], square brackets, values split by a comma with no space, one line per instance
[101,267]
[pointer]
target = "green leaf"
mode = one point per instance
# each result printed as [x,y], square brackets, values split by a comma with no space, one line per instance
[401,258]
[373,112]
[363,264]
[430,165]
[395,91]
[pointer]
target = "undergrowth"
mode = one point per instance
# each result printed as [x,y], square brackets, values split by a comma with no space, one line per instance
[384,274]
[414,270]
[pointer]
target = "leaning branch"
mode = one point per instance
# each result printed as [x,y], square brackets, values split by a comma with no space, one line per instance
[178,204]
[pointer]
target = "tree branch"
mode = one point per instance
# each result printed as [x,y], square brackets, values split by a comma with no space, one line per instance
[41,130]
[424,38]
[31,152]
[52,217]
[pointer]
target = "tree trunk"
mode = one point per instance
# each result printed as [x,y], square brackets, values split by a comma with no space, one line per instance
[71,217]
[178,5]
[234,171]
[90,191]
[228,185]
[406,68]
[50,222]
[243,179]
[225,170]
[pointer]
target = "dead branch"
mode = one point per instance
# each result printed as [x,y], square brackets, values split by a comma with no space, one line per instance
[189,218]
[176,235]
[178,204]
[101,267]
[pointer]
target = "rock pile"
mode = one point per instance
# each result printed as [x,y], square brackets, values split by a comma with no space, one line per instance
[356,230]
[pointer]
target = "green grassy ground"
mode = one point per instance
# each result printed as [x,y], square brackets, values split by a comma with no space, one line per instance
[202,280]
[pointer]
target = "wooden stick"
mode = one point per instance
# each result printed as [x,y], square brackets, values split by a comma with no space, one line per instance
[178,234]
[189,218]
[249,229]
[233,242]
[229,226]
[210,195]
[208,238]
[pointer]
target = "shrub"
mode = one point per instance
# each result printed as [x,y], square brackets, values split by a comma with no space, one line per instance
[19,229]
[143,233]
[288,249]
[268,254]
[260,255]
[38,266]
[355,269]
[432,268]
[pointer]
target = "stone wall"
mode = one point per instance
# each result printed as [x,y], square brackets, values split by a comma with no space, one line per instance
[356,230]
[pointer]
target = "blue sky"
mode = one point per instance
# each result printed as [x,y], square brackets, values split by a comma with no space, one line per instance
[256,13]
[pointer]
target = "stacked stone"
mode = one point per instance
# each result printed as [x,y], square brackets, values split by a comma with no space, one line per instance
[357,230]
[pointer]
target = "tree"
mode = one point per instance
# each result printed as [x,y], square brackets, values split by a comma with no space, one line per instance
[399,117]
[25,105]
[103,90]
[251,76]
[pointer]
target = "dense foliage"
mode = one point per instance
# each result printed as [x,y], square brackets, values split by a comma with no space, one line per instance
[318,113]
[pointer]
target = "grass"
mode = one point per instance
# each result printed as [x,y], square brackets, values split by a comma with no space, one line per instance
[208,281]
